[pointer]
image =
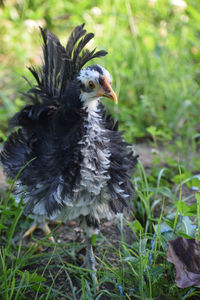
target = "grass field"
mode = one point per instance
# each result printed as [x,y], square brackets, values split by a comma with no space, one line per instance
[154,58]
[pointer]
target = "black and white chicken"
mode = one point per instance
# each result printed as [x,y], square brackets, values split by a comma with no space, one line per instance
[72,158]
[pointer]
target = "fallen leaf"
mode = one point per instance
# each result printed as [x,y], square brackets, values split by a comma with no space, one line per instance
[185,255]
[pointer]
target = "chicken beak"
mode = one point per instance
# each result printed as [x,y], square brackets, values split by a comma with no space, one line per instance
[108,91]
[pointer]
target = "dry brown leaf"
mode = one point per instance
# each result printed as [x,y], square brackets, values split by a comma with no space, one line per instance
[185,255]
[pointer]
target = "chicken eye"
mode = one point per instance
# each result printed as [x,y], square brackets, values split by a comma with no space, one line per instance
[91,85]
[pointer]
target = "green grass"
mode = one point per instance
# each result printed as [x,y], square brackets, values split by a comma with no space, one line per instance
[154,58]
[139,268]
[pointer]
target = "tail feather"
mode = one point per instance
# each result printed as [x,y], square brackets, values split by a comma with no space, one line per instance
[89,55]
[76,34]
[85,40]
[36,74]
[60,65]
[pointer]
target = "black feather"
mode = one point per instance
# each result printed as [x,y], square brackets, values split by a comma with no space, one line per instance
[60,65]
[80,47]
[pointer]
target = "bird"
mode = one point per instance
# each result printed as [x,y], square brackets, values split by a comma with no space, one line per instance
[66,153]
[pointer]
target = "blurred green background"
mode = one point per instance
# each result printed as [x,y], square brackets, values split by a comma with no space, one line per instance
[154,58]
